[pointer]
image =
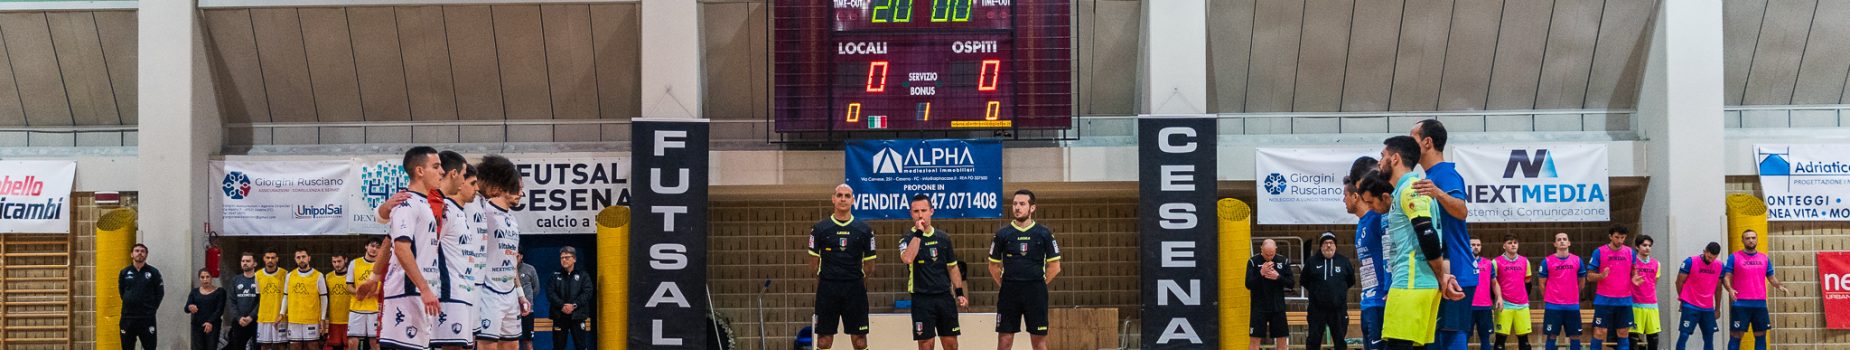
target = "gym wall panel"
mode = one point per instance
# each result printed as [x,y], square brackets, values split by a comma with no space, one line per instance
[80,61]
[616,34]
[1619,54]
[521,48]
[233,51]
[1420,59]
[285,64]
[733,44]
[1230,38]
[427,63]
[1775,64]
[12,113]
[1277,27]
[1569,55]
[1522,37]
[1469,51]
[380,63]
[472,51]
[1322,56]
[1115,36]
[1372,43]
[1740,30]
[28,42]
[1827,60]
[569,61]
[117,30]
[329,45]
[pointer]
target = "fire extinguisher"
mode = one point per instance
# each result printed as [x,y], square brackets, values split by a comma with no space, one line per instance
[212,252]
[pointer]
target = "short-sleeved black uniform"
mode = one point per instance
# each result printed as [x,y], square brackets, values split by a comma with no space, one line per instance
[841,293]
[934,308]
[1024,253]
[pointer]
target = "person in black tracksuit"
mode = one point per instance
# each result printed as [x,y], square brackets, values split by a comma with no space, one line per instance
[141,290]
[1268,275]
[1327,276]
[571,298]
[207,305]
[841,251]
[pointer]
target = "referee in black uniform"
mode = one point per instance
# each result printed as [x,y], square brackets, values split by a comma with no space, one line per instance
[841,252]
[1023,259]
[933,279]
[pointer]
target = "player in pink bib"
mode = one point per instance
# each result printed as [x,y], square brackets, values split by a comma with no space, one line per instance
[1697,280]
[1511,273]
[1482,317]
[1646,321]
[1746,276]
[1611,268]
[1561,276]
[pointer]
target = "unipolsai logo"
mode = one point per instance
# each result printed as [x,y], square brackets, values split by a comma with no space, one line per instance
[236,185]
[380,180]
[1532,165]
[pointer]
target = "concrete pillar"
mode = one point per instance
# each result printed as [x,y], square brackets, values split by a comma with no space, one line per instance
[180,130]
[1175,57]
[1680,115]
[671,57]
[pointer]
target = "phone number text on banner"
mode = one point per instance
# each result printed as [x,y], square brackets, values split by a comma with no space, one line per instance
[962,177]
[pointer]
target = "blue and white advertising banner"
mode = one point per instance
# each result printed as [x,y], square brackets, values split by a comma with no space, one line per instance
[35,196]
[375,179]
[962,177]
[280,198]
[1303,186]
[1535,183]
[1804,182]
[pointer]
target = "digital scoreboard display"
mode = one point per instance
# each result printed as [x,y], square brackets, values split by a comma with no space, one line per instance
[854,65]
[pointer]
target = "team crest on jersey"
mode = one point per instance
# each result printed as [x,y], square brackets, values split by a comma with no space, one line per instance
[411,332]
[844,242]
[456,328]
[934,254]
[1024,249]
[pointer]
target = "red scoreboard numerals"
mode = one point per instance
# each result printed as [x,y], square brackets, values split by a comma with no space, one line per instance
[990,76]
[876,76]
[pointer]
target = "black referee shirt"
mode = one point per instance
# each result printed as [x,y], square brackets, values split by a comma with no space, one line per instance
[1024,251]
[842,246]
[930,271]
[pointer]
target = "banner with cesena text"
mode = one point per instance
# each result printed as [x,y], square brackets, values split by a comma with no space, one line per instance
[280,198]
[35,196]
[563,195]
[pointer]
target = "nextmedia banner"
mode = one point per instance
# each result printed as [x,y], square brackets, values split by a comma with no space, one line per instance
[1535,183]
[278,198]
[1303,186]
[35,196]
[963,177]
[1177,231]
[668,235]
[1805,182]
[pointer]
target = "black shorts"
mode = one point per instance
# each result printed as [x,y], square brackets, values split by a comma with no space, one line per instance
[1022,299]
[1269,325]
[841,303]
[934,315]
[526,328]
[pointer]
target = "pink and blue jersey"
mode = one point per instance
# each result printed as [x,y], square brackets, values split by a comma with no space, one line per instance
[1616,288]
[1512,276]
[1749,272]
[1645,293]
[1699,283]
[1482,298]
[1561,289]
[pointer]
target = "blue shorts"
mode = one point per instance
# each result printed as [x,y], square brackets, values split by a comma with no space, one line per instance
[1692,318]
[1612,317]
[1372,319]
[1741,318]
[1483,320]
[1455,315]
[1561,322]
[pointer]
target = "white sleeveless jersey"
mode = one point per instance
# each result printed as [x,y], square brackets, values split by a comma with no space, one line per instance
[503,244]
[457,256]
[481,212]
[414,223]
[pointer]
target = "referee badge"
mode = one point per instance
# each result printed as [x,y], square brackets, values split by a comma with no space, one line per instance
[1024,249]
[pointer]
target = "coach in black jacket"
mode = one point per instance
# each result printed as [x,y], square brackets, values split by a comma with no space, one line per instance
[571,295]
[1327,277]
[140,286]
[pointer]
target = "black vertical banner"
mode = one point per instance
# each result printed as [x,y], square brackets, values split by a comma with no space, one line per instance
[1177,232]
[668,235]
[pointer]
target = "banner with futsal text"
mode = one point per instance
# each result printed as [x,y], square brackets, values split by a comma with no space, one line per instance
[1303,186]
[668,235]
[1834,277]
[1177,231]
[280,198]
[563,195]
[963,177]
[1804,182]
[35,196]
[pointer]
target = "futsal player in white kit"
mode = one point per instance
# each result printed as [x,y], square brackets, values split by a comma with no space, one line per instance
[456,323]
[410,299]
[503,298]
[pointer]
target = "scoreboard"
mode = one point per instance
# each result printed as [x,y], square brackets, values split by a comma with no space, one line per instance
[855,65]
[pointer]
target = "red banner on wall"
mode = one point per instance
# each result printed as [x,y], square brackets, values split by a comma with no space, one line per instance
[1834,278]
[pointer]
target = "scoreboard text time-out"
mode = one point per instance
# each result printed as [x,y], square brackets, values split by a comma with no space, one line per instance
[850,65]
